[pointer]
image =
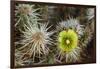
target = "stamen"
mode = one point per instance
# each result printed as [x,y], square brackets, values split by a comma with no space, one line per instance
[67,41]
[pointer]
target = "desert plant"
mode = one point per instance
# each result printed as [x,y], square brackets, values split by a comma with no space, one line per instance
[70,32]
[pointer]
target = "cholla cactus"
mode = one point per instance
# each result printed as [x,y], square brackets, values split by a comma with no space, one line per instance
[18,60]
[70,32]
[36,43]
[71,24]
[26,14]
[89,29]
[35,40]
[90,13]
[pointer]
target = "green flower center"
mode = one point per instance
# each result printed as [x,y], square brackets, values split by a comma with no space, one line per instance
[68,40]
